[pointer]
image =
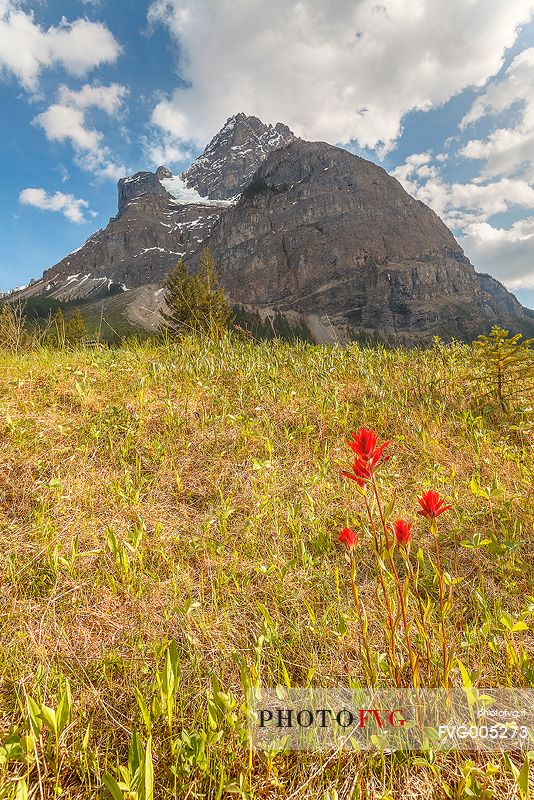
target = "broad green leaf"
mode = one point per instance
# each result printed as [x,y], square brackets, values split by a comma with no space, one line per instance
[22,790]
[523,780]
[64,709]
[112,786]
[466,678]
[48,715]
[34,715]
[143,708]
[149,772]
[136,754]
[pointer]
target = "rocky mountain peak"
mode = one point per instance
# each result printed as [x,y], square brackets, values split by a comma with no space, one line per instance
[162,173]
[325,233]
[316,232]
[233,156]
[136,186]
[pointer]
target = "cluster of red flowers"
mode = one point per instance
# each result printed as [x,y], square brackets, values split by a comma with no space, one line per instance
[369,455]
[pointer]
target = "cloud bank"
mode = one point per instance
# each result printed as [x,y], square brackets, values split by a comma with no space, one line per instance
[26,48]
[342,71]
[73,208]
[505,181]
[66,121]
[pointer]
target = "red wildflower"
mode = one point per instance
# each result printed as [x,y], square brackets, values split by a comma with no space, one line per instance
[431,505]
[363,443]
[360,472]
[403,531]
[349,538]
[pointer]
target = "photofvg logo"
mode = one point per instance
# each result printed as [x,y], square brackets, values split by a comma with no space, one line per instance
[326,717]
[400,719]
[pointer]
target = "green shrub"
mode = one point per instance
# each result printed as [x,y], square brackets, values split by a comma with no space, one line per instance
[507,365]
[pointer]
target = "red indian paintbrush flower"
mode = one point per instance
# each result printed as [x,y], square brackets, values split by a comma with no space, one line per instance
[363,443]
[360,472]
[368,455]
[402,531]
[349,538]
[431,505]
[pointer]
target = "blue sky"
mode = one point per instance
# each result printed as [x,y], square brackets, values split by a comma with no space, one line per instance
[441,95]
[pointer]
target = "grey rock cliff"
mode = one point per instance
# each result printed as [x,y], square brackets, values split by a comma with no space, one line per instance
[321,231]
[136,186]
[142,243]
[153,228]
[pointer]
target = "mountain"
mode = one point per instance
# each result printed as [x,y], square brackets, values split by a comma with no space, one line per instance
[151,231]
[161,218]
[297,227]
[321,231]
[233,156]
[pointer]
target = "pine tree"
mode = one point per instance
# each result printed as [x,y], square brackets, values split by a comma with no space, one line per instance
[507,362]
[195,303]
[75,330]
[179,301]
[214,313]
[56,333]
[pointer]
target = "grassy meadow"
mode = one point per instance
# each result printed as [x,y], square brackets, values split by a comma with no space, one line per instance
[169,522]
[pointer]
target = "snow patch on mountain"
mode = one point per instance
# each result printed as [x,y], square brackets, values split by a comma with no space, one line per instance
[183,195]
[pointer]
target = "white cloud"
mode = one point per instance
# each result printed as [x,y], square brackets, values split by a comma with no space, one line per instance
[508,254]
[61,123]
[26,48]
[335,71]
[505,181]
[461,204]
[101,164]
[66,121]
[107,98]
[165,150]
[73,208]
[506,150]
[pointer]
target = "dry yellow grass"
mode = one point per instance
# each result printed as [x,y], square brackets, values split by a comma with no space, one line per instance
[216,468]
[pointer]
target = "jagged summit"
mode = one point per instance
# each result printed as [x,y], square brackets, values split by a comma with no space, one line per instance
[233,156]
[162,217]
[131,188]
[220,174]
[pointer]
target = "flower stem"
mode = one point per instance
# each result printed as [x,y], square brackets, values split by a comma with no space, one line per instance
[382,519]
[361,617]
[385,593]
[411,656]
[413,662]
[415,588]
[434,530]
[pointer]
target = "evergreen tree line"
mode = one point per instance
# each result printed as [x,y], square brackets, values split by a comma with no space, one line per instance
[19,332]
[194,304]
